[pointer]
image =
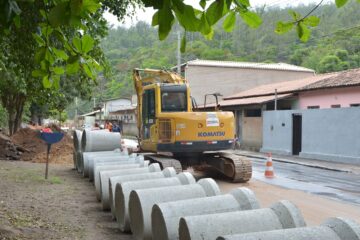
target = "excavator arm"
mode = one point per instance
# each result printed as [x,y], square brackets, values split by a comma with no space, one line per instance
[144,77]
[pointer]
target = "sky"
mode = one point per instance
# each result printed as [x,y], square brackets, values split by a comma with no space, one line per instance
[147,14]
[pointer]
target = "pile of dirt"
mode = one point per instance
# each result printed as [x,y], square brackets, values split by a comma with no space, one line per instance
[35,148]
[9,150]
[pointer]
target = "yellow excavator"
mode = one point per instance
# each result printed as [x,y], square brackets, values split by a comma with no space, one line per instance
[178,136]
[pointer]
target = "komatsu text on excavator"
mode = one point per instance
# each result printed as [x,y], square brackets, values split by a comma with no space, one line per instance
[167,124]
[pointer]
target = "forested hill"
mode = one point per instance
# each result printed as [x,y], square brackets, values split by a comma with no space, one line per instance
[334,45]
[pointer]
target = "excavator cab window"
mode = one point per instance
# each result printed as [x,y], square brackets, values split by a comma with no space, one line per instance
[173,99]
[148,111]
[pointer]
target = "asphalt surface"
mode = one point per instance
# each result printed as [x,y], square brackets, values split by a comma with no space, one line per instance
[343,186]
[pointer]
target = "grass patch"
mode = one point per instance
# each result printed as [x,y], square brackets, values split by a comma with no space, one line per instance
[24,175]
[55,180]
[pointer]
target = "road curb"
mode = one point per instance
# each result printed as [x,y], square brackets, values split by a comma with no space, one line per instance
[297,163]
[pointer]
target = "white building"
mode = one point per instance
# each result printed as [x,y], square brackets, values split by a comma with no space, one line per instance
[228,78]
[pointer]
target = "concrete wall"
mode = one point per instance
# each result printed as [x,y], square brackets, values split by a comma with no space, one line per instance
[327,134]
[252,133]
[277,132]
[130,129]
[115,105]
[227,81]
[327,97]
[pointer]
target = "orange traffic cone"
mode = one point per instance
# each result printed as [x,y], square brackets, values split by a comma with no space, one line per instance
[269,171]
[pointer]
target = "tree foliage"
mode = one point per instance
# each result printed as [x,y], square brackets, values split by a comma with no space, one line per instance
[138,46]
[50,44]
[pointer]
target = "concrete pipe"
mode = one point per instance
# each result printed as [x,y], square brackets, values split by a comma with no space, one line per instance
[109,163]
[332,229]
[123,190]
[74,160]
[141,202]
[280,215]
[86,155]
[97,159]
[165,216]
[166,173]
[94,141]
[78,161]
[77,134]
[89,164]
[104,175]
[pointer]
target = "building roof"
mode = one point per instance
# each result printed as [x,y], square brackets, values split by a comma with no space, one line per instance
[249,65]
[128,108]
[93,113]
[114,99]
[251,100]
[266,93]
[281,87]
[346,78]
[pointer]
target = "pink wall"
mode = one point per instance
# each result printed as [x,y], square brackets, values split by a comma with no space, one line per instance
[327,97]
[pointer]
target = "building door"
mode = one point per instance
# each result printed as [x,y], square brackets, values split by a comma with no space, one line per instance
[238,125]
[297,132]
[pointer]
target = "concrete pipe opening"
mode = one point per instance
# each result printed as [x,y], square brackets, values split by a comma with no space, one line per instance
[77,134]
[137,218]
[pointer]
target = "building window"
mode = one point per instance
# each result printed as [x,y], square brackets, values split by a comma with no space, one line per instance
[313,107]
[355,105]
[336,106]
[252,112]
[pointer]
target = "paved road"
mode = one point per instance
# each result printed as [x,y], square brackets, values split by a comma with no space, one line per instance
[334,184]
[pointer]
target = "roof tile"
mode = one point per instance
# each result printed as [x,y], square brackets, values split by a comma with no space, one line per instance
[251,65]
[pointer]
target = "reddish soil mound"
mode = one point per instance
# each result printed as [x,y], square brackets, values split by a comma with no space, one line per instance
[61,152]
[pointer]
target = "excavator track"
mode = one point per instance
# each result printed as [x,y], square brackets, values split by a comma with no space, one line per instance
[236,168]
[165,161]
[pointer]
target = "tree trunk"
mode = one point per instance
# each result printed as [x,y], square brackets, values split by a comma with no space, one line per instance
[14,105]
[60,118]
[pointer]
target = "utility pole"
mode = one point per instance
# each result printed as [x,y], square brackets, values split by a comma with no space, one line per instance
[94,102]
[276,99]
[76,113]
[76,107]
[179,53]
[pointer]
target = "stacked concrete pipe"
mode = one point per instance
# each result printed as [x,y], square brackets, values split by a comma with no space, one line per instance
[86,155]
[108,160]
[166,173]
[77,134]
[102,182]
[281,215]
[112,167]
[141,202]
[332,229]
[94,141]
[77,149]
[105,162]
[165,217]
[89,164]
[123,190]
